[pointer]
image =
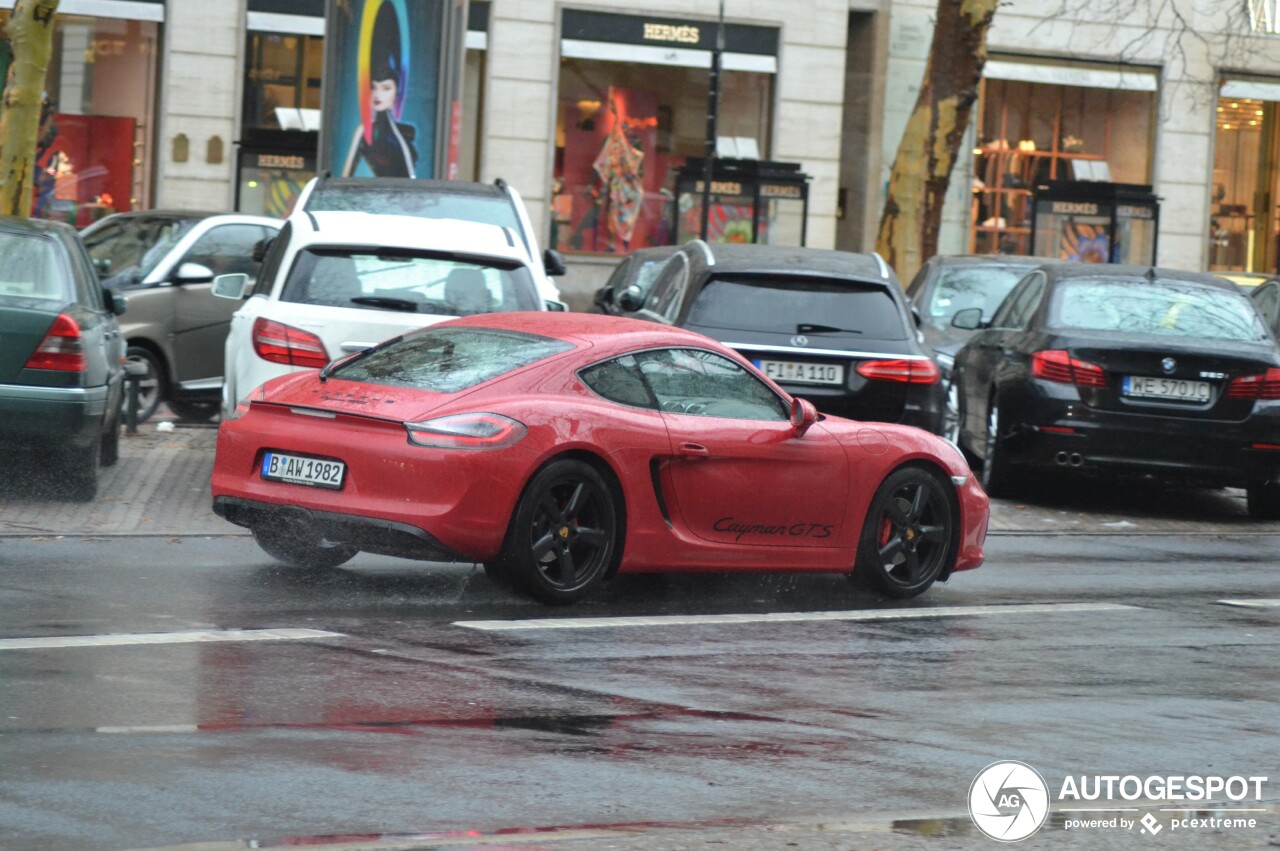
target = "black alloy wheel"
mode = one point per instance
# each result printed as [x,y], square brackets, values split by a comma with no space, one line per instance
[998,475]
[908,538]
[563,537]
[151,386]
[298,547]
[951,414]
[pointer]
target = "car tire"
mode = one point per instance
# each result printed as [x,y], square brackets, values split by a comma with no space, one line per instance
[193,412]
[80,472]
[152,387]
[908,539]
[296,547]
[998,476]
[563,538]
[1263,500]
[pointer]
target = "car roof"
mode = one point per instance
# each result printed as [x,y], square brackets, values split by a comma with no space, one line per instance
[439,187]
[995,260]
[1136,274]
[326,227]
[789,260]
[35,227]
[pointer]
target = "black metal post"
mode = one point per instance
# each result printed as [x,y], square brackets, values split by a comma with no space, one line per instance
[713,113]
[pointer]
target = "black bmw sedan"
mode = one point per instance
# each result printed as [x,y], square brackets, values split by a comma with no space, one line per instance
[832,327]
[1124,369]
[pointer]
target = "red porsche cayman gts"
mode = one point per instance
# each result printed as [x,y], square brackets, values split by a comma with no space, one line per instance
[559,449]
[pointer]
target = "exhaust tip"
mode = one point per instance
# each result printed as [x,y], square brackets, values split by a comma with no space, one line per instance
[1077,459]
[1062,459]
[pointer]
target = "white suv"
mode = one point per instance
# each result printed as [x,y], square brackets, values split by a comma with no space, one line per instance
[333,283]
[495,203]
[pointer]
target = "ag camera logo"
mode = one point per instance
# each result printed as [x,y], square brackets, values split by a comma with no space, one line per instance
[1009,801]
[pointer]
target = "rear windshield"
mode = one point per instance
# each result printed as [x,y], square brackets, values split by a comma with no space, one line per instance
[797,306]
[411,283]
[31,269]
[447,360]
[960,288]
[125,250]
[1169,308]
[490,209]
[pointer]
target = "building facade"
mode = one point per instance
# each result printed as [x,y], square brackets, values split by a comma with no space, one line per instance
[590,109]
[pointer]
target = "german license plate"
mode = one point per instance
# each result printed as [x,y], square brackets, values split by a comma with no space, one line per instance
[1177,389]
[802,373]
[296,470]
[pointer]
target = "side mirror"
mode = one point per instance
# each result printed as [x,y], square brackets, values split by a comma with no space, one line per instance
[631,299]
[604,296]
[193,273]
[803,415]
[553,263]
[556,306]
[116,303]
[969,319]
[231,286]
[102,265]
[261,247]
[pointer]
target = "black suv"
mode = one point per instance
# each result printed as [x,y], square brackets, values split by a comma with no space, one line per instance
[832,327]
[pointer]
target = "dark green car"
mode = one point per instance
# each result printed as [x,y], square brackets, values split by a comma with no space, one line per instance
[61,356]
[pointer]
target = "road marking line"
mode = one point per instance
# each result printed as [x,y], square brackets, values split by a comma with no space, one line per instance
[1253,604]
[188,637]
[790,617]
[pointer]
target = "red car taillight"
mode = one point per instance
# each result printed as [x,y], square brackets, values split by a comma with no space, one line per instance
[280,343]
[1264,386]
[467,431]
[900,371]
[1058,365]
[62,347]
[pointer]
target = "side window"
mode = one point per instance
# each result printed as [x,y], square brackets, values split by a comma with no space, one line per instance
[88,288]
[227,249]
[1267,299]
[271,263]
[669,304]
[705,384]
[1009,308]
[619,380]
[1027,303]
[669,285]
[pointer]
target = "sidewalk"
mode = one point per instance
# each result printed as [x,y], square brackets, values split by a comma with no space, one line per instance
[161,487]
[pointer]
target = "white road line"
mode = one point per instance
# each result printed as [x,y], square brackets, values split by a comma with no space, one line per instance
[1272,603]
[188,637]
[791,617]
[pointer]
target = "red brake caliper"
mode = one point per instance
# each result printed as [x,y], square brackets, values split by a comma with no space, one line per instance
[886,530]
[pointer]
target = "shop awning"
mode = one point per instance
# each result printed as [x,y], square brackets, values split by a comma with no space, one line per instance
[130,10]
[1253,89]
[659,40]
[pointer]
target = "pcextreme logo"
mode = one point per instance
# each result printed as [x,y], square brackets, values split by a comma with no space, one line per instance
[1008,801]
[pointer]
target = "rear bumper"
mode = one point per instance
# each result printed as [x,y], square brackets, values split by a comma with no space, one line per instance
[1068,434]
[49,415]
[369,534]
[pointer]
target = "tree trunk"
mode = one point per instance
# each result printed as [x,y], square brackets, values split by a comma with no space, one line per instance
[30,33]
[931,142]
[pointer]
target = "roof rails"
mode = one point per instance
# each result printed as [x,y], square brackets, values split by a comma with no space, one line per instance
[706,249]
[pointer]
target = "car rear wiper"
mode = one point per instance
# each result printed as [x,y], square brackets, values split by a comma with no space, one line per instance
[808,328]
[402,304]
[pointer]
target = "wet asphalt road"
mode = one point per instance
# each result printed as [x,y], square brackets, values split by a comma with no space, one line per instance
[405,722]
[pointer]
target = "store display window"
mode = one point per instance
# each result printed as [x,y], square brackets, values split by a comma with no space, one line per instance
[1032,133]
[93,156]
[1244,222]
[282,82]
[627,119]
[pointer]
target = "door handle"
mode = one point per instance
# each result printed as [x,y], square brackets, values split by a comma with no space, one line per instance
[694,450]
